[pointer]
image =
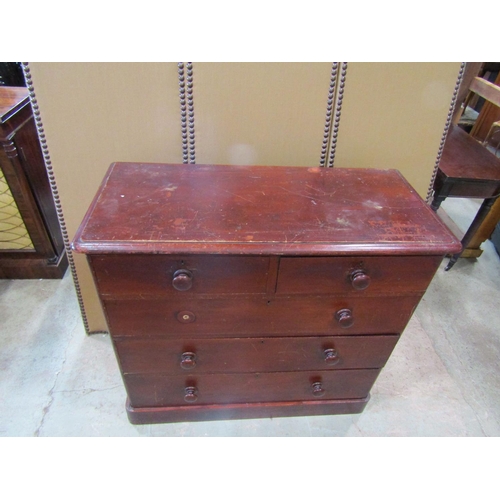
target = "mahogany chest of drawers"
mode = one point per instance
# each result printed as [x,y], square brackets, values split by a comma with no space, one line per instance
[246,292]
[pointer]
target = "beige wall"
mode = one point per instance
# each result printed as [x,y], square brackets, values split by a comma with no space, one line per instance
[260,113]
[393,116]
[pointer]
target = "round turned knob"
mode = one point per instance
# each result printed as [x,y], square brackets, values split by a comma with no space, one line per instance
[190,394]
[317,389]
[182,280]
[344,318]
[188,360]
[331,356]
[359,279]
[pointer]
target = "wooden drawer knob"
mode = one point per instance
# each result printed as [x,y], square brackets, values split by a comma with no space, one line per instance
[344,318]
[182,280]
[331,356]
[188,360]
[317,389]
[190,394]
[359,279]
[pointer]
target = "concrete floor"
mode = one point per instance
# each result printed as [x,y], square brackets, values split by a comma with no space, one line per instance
[443,379]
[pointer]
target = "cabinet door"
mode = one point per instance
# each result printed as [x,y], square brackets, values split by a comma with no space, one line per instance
[31,159]
[15,176]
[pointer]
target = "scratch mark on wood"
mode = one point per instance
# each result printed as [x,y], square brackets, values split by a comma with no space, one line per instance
[296,194]
[319,190]
[237,195]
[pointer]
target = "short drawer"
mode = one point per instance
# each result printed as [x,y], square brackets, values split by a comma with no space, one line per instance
[356,275]
[252,354]
[161,390]
[133,275]
[259,317]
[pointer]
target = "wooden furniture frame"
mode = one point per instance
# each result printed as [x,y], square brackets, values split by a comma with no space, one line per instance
[23,166]
[251,291]
[468,170]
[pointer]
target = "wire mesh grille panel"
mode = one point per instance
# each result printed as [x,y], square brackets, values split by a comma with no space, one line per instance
[13,232]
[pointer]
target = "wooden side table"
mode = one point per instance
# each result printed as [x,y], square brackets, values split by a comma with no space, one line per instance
[467,170]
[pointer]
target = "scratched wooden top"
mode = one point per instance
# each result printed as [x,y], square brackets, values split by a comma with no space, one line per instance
[154,208]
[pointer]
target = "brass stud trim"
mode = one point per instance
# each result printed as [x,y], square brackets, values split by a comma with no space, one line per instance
[55,193]
[338,112]
[182,98]
[329,114]
[190,100]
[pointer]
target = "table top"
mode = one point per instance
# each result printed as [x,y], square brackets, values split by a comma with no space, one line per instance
[11,100]
[178,208]
[465,158]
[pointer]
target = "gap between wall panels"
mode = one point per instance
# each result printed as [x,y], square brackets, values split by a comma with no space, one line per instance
[335,96]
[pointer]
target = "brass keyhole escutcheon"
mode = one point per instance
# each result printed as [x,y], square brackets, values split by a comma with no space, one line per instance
[186,317]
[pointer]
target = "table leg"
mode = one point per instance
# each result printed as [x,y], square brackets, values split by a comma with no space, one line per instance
[436,202]
[480,216]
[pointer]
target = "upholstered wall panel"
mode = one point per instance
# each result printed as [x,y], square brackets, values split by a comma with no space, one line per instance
[260,113]
[393,116]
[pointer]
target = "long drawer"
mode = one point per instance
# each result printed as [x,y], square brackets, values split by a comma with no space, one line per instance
[146,390]
[256,354]
[354,275]
[119,275]
[257,316]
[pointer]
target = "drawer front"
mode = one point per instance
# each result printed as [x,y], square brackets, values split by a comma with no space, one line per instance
[160,390]
[256,316]
[351,275]
[257,354]
[122,275]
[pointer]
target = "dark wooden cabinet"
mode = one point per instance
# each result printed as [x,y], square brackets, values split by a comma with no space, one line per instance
[242,292]
[31,243]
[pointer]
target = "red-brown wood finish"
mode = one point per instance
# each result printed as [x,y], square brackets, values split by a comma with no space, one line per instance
[160,390]
[465,158]
[252,292]
[196,413]
[144,275]
[355,276]
[173,209]
[21,161]
[12,99]
[258,354]
[284,315]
